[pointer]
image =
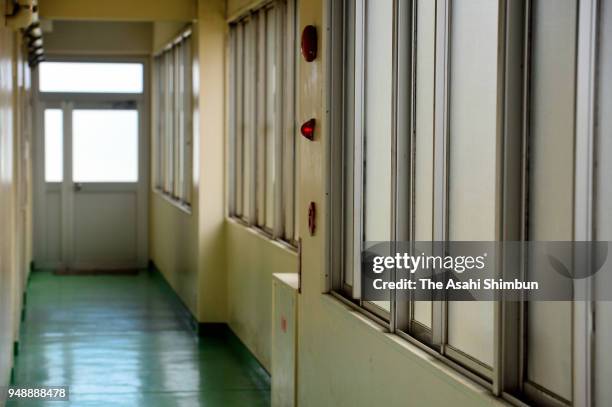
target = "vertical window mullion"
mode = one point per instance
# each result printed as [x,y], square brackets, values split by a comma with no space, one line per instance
[161,121]
[403,85]
[181,125]
[395,162]
[189,120]
[440,200]
[176,136]
[288,133]
[240,116]
[358,145]
[233,117]
[156,95]
[422,147]
[170,123]
[348,90]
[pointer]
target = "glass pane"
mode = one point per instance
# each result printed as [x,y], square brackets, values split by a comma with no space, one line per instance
[551,194]
[473,164]
[54,145]
[271,131]
[378,125]
[240,105]
[93,77]
[169,168]
[105,145]
[424,179]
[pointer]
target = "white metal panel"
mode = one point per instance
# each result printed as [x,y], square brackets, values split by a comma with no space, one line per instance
[284,340]
[105,227]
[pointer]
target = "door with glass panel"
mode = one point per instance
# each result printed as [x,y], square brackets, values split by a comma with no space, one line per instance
[93,195]
[92,174]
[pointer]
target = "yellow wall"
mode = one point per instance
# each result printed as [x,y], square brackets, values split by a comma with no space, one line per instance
[118,10]
[15,191]
[103,38]
[236,8]
[251,260]
[164,32]
[189,249]
[340,353]
[173,233]
[173,244]
[210,122]
[6,202]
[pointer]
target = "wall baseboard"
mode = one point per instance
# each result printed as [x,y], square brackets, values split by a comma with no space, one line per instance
[210,330]
[181,308]
[213,329]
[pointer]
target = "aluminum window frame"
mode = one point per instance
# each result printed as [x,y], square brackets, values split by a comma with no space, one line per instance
[172,166]
[505,378]
[248,182]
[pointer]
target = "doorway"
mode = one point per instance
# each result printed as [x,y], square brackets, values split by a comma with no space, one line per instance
[92,174]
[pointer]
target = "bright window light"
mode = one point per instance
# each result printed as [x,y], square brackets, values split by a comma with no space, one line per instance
[105,145]
[54,145]
[91,77]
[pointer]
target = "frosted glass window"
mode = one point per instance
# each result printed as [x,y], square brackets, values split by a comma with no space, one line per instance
[54,145]
[378,134]
[271,133]
[551,197]
[378,126]
[93,77]
[105,145]
[472,172]
[262,125]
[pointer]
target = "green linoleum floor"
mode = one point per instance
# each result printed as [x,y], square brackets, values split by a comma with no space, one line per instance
[121,341]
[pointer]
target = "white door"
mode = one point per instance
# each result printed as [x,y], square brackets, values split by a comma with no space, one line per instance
[94,195]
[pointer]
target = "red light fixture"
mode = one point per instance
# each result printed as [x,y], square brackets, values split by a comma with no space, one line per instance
[309,43]
[308,129]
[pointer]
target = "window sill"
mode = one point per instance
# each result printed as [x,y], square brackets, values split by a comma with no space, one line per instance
[422,355]
[180,205]
[261,233]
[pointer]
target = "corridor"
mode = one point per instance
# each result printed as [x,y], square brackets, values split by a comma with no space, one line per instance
[121,340]
[303,203]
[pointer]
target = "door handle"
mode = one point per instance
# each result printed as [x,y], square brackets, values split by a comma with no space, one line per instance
[78,187]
